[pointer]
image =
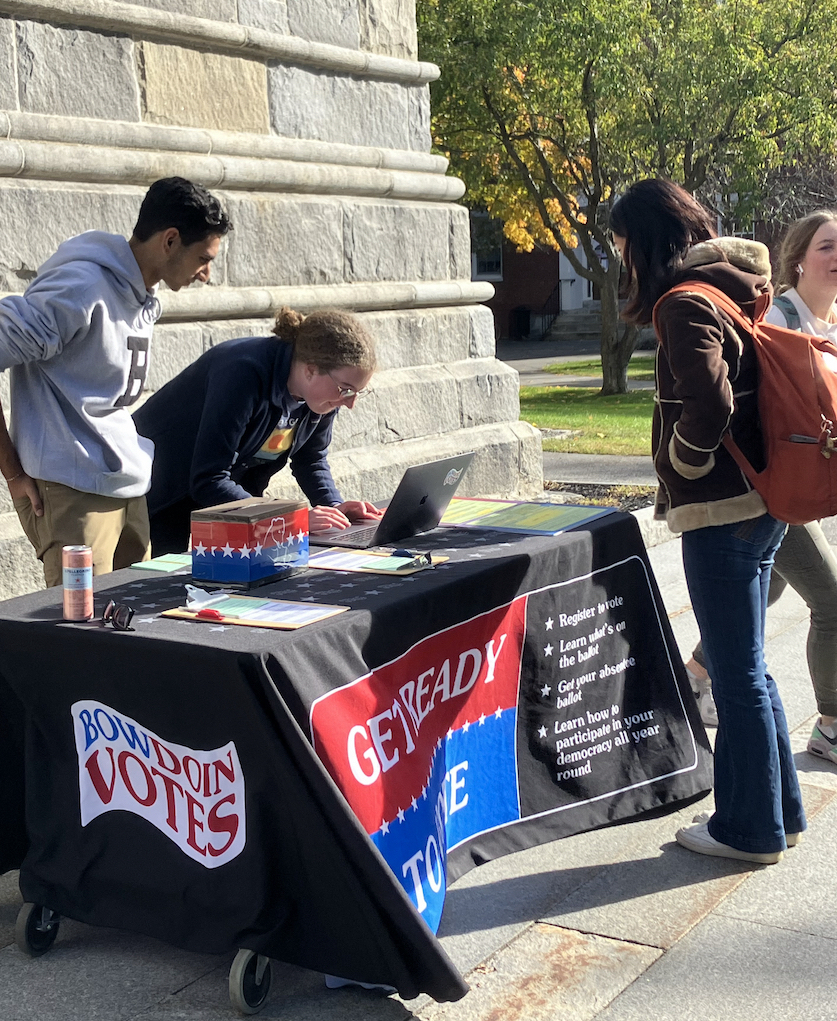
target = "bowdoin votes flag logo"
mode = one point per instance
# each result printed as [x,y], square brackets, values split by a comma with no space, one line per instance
[196,798]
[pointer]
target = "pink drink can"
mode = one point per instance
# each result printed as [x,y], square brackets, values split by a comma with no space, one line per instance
[77,565]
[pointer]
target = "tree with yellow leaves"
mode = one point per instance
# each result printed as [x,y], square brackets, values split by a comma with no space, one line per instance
[549,109]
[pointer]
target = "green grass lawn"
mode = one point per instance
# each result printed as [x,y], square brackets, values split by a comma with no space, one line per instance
[640,367]
[619,424]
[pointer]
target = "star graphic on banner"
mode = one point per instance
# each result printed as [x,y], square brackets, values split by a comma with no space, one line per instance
[549,624]
[227,550]
[482,719]
[245,552]
[547,650]
[384,827]
[465,726]
[542,732]
[424,793]
[498,712]
[200,550]
[439,742]
[258,548]
[450,734]
[401,815]
[545,690]
[415,805]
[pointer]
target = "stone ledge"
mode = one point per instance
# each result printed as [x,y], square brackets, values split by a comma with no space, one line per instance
[100,165]
[261,302]
[37,127]
[112,17]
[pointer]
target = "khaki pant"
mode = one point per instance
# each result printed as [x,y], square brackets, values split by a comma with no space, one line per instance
[116,530]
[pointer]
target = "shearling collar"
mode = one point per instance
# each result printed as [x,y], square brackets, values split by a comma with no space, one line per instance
[751,256]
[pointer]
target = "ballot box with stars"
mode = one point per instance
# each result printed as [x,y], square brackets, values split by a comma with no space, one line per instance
[249,542]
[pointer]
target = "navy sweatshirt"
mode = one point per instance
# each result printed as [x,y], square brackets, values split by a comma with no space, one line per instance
[210,423]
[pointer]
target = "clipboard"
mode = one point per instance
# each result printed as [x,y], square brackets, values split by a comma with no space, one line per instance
[364,561]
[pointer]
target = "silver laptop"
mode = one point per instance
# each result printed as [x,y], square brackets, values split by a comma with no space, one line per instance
[418,504]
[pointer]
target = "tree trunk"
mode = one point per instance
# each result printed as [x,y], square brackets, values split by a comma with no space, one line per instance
[617,341]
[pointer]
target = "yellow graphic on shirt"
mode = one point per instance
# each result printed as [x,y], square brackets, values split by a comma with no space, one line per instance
[277,443]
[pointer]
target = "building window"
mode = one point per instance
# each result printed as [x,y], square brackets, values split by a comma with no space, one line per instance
[486,247]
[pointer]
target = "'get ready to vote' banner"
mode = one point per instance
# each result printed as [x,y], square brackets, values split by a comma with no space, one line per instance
[559,710]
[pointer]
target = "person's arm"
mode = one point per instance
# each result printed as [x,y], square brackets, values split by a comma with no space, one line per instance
[36,327]
[19,483]
[233,391]
[692,337]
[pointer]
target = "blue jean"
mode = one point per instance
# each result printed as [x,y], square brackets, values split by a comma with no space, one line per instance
[757,796]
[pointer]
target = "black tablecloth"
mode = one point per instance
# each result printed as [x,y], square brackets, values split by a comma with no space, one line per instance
[527,689]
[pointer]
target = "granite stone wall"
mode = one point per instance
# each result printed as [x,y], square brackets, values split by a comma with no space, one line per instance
[310,118]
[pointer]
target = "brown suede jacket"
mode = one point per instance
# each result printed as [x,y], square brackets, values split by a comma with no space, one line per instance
[706,386]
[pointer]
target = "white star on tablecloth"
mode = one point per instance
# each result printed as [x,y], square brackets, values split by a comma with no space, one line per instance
[219,628]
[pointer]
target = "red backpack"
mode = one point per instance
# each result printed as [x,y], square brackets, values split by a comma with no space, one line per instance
[798,409]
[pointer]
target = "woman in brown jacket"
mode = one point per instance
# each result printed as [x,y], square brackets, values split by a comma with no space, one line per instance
[706,387]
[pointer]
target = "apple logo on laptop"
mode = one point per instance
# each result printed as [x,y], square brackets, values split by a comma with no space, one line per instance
[423,499]
[453,476]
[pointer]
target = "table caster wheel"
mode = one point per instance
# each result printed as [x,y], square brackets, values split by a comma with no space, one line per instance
[36,929]
[250,977]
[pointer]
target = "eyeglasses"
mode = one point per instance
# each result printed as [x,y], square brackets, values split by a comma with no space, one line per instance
[348,392]
[118,615]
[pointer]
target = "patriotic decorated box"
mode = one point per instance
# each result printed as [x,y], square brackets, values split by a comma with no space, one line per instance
[249,542]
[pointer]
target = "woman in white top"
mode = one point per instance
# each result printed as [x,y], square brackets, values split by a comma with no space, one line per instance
[806,289]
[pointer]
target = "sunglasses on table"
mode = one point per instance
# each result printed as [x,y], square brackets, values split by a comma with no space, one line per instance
[118,615]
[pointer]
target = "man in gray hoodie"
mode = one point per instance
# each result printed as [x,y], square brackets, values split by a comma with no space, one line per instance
[77,345]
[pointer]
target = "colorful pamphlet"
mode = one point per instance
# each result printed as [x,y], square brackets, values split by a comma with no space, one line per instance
[519,516]
[166,563]
[254,612]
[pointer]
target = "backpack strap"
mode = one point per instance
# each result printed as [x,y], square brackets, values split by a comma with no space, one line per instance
[724,303]
[788,310]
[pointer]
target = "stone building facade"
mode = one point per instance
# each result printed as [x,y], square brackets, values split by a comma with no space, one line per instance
[310,119]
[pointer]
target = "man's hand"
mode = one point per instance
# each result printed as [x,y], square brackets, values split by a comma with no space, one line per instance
[24,486]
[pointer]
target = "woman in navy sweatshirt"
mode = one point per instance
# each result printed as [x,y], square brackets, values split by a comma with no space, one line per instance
[240,412]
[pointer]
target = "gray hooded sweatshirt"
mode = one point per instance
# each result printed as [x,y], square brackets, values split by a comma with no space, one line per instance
[77,346]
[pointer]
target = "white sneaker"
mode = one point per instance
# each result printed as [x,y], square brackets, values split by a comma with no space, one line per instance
[699,839]
[791,839]
[702,690]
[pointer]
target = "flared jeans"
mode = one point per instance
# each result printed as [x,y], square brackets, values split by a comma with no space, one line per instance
[757,796]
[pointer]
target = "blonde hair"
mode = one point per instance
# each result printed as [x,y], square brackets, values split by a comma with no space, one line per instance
[795,244]
[328,339]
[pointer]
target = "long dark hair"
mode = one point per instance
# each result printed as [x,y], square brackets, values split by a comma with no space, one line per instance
[660,222]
